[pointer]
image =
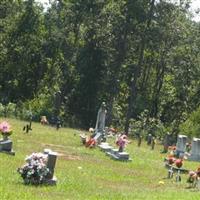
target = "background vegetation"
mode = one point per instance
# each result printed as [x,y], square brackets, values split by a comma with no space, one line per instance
[135,55]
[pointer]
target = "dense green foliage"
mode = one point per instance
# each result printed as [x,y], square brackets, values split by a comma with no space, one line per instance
[135,55]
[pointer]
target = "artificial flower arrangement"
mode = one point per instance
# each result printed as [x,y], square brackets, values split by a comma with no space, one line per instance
[5,129]
[121,142]
[35,170]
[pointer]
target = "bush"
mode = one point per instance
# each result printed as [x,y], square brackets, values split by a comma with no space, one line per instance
[191,127]
[145,125]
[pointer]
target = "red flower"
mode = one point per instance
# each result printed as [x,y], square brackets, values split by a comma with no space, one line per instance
[179,163]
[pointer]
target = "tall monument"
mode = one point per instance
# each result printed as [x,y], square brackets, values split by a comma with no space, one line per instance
[100,123]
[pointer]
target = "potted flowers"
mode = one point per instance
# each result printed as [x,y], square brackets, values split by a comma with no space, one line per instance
[5,130]
[35,170]
[121,142]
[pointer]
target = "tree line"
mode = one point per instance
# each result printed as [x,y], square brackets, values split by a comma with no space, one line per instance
[141,57]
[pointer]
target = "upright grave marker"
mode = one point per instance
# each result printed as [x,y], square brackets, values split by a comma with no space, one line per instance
[100,124]
[181,145]
[195,151]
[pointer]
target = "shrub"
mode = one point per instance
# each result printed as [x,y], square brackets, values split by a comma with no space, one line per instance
[191,127]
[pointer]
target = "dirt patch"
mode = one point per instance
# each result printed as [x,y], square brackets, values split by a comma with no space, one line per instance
[69,157]
[63,154]
[53,145]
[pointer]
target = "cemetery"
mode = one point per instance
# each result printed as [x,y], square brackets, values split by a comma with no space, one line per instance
[99,100]
[79,169]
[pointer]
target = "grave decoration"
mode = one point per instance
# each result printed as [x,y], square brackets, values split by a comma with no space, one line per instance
[28,127]
[121,142]
[44,120]
[5,130]
[174,165]
[110,132]
[39,168]
[88,141]
[194,178]
[117,154]
[5,142]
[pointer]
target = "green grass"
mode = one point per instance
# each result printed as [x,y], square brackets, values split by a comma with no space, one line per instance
[88,173]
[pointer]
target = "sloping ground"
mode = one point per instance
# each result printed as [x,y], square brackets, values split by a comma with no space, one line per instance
[88,173]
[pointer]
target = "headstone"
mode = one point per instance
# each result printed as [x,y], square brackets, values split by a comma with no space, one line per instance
[167,142]
[105,147]
[121,156]
[6,146]
[149,139]
[100,123]
[51,162]
[181,145]
[47,151]
[195,151]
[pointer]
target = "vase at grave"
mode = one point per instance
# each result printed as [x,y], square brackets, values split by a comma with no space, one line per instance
[5,137]
[121,149]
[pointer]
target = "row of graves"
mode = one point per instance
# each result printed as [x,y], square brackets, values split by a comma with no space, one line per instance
[100,133]
[39,167]
[184,150]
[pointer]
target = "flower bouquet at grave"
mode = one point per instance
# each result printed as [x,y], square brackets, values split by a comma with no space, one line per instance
[5,129]
[35,170]
[121,142]
[194,177]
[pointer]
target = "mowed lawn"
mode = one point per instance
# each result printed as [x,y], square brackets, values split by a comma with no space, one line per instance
[88,173]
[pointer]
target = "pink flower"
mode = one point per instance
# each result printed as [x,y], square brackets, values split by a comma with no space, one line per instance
[5,127]
[122,141]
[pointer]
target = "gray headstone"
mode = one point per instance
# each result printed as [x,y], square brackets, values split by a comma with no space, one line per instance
[51,162]
[195,151]
[168,139]
[149,139]
[101,116]
[123,155]
[105,147]
[6,145]
[181,143]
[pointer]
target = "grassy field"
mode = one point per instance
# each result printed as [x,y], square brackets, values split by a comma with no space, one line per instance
[88,173]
